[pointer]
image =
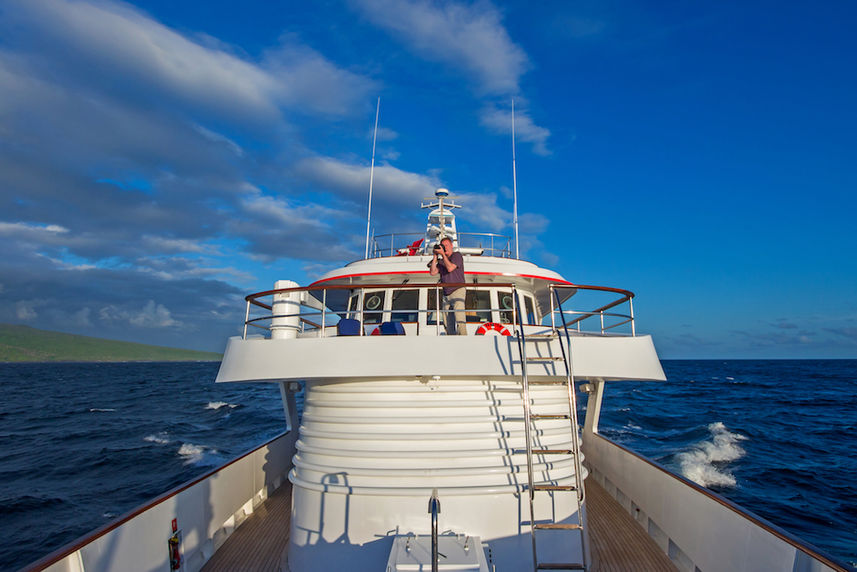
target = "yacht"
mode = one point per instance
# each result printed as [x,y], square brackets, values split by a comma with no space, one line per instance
[419,450]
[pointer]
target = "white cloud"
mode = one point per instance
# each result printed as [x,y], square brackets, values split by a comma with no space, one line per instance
[163,244]
[25,310]
[81,317]
[500,121]
[533,223]
[386,134]
[390,183]
[469,37]
[26,229]
[152,315]
[116,43]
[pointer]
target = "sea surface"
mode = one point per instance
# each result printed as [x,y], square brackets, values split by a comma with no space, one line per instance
[81,444]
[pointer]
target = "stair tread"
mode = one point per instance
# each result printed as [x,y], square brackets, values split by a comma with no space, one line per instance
[560,566]
[554,487]
[544,358]
[557,526]
[550,416]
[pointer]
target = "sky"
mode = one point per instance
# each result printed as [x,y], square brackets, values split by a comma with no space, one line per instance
[159,160]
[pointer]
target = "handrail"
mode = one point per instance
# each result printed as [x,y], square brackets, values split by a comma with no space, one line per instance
[80,542]
[318,305]
[525,389]
[434,509]
[810,550]
[572,396]
[379,251]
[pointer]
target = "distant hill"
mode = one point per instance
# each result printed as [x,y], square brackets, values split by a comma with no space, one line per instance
[23,343]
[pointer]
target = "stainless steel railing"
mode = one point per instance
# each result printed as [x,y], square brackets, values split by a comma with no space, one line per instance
[320,308]
[396,244]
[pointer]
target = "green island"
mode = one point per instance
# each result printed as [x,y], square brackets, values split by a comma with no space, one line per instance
[26,344]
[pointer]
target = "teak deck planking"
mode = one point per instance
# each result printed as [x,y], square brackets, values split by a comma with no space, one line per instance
[618,543]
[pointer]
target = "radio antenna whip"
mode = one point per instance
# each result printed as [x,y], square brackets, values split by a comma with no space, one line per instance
[372,176]
[514,185]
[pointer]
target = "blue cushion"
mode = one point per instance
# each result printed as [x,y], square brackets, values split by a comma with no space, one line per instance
[348,327]
[392,329]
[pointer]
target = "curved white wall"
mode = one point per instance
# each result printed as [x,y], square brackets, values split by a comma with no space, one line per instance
[370,453]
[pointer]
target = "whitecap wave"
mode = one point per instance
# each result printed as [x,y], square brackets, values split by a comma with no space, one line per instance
[219,404]
[160,438]
[100,410]
[704,462]
[192,453]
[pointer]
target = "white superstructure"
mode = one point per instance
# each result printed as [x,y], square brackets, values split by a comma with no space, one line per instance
[389,419]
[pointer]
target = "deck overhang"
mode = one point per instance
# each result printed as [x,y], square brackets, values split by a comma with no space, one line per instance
[430,357]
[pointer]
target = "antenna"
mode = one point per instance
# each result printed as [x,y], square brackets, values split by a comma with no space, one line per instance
[514,185]
[372,176]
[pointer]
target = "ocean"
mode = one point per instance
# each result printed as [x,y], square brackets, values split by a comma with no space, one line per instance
[81,444]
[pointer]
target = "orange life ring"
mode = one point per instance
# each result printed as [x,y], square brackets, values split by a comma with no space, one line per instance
[493,328]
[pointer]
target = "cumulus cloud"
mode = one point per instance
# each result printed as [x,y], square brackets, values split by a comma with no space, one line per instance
[25,310]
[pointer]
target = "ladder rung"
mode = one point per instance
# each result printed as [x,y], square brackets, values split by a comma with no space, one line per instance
[545,451]
[546,382]
[557,526]
[554,487]
[560,566]
[551,335]
[545,358]
[549,416]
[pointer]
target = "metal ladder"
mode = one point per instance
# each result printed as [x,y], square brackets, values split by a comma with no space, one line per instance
[529,416]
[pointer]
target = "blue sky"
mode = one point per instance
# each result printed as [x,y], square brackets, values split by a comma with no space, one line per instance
[159,160]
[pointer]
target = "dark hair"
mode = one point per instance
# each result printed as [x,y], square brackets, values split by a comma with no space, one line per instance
[446,238]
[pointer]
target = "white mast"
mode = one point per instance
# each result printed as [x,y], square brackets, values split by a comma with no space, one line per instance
[372,176]
[514,185]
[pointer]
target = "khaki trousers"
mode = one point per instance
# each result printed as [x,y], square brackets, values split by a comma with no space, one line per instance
[453,304]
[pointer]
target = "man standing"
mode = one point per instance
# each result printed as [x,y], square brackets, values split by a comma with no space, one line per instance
[450,266]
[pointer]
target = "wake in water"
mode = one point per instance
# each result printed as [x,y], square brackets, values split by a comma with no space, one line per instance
[218,404]
[705,462]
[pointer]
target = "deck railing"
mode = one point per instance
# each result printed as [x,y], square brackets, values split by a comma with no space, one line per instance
[396,244]
[318,309]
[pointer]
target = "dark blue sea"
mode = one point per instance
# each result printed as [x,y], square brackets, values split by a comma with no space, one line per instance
[81,444]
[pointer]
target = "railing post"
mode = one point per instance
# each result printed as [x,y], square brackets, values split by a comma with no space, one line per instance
[602,321]
[434,509]
[323,310]
[633,326]
[246,317]
[553,310]
[360,300]
[437,309]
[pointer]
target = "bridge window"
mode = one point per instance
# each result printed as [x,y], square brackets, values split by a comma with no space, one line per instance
[477,304]
[528,306]
[506,306]
[404,305]
[373,307]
